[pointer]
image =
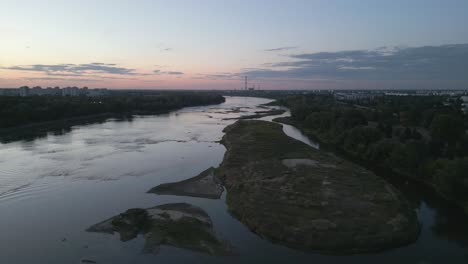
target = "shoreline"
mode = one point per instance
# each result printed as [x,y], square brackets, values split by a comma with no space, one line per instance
[204,185]
[10,134]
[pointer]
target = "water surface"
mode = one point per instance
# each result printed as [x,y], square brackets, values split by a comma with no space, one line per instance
[54,187]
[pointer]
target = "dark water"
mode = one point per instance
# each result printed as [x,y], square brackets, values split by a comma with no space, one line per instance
[55,186]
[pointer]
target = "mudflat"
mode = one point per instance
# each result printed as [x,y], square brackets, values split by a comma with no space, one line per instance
[205,185]
[259,114]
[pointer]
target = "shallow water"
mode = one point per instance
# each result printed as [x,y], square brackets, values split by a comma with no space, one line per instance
[52,188]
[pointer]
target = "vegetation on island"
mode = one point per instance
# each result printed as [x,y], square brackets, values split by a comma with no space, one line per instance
[179,225]
[420,137]
[304,198]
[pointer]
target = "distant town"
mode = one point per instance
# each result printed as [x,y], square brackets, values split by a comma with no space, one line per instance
[349,96]
[53,91]
[369,96]
[358,97]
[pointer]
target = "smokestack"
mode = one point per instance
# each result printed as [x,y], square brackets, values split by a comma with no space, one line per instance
[245,88]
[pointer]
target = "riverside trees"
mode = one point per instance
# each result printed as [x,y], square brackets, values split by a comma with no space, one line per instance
[421,137]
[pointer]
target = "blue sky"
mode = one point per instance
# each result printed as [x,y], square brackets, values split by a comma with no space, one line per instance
[211,44]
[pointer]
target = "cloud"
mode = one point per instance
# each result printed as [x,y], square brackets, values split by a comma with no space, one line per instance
[163,47]
[446,62]
[281,49]
[106,64]
[168,72]
[59,79]
[218,76]
[75,69]
[174,73]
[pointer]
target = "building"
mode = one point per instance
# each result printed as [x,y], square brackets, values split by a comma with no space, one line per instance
[97,92]
[464,103]
[56,91]
[24,91]
[70,91]
[84,91]
[9,92]
[36,90]
[356,96]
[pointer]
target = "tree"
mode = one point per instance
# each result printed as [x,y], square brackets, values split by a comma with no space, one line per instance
[380,151]
[351,118]
[451,176]
[322,121]
[359,138]
[447,130]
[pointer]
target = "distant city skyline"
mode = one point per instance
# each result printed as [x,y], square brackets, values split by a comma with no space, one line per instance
[213,44]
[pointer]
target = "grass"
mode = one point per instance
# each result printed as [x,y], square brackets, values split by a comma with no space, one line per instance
[282,203]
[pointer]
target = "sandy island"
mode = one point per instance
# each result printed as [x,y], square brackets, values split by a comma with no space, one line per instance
[205,185]
[301,197]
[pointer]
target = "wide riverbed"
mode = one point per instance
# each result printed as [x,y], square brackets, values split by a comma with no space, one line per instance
[52,188]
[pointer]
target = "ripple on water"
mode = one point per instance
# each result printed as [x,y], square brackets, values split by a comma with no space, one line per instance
[28,191]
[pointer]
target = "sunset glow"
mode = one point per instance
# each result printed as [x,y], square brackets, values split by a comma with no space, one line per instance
[213,44]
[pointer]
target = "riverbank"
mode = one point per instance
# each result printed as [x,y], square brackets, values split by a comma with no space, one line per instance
[33,124]
[40,129]
[300,197]
[36,129]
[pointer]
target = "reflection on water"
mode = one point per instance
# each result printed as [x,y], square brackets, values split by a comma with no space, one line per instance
[56,184]
[57,128]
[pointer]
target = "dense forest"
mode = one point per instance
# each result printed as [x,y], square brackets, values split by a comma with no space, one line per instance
[18,111]
[420,137]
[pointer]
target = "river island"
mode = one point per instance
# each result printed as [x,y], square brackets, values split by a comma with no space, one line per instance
[300,197]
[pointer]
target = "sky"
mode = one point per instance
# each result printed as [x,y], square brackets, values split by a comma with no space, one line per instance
[212,44]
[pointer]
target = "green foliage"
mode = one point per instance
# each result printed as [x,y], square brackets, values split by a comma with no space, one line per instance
[380,151]
[351,118]
[409,157]
[451,176]
[359,139]
[322,121]
[447,128]
[422,137]
[462,147]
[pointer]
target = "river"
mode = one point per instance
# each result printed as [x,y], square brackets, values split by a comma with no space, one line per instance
[55,186]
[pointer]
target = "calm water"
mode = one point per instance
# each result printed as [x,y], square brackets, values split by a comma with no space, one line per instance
[54,187]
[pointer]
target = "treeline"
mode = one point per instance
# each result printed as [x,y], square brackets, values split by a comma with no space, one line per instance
[18,111]
[421,137]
